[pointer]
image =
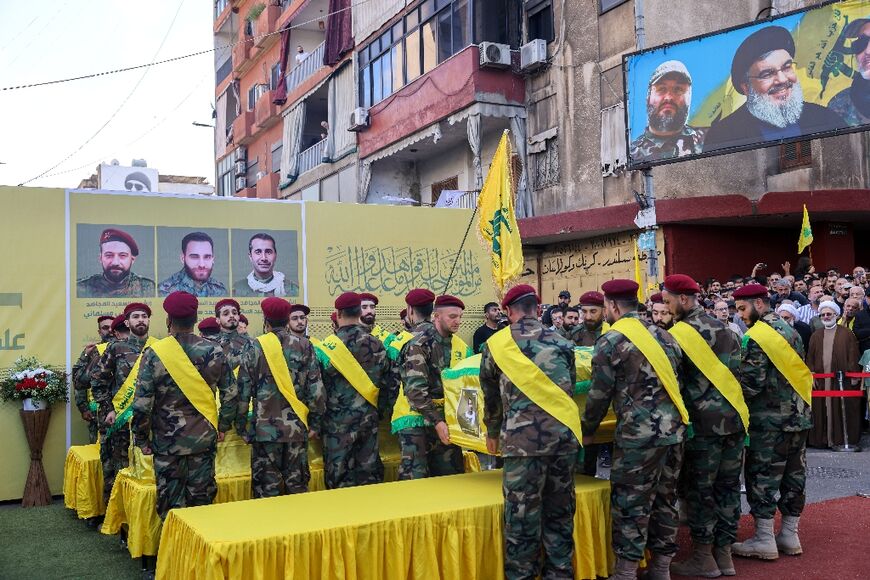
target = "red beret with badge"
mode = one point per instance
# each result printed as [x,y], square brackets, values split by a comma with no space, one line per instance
[681,284]
[419,297]
[448,300]
[275,308]
[620,289]
[750,292]
[181,304]
[517,292]
[368,297]
[592,298]
[347,300]
[116,235]
[137,307]
[225,302]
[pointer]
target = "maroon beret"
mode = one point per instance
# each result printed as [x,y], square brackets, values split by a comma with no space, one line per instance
[420,297]
[620,289]
[300,308]
[750,291]
[209,324]
[334,317]
[116,235]
[517,292]
[657,298]
[366,296]
[243,318]
[118,322]
[448,300]
[275,308]
[180,304]
[136,306]
[592,298]
[104,317]
[681,284]
[347,300]
[403,313]
[225,302]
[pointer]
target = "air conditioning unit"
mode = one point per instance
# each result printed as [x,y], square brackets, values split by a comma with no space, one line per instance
[496,55]
[533,55]
[359,119]
[241,183]
[240,153]
[241,167]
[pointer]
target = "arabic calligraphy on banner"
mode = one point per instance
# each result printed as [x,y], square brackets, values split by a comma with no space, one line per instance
[396,270]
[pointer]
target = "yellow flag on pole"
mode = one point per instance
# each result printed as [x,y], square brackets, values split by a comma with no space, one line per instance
[637,273]
[498,222]
[806,237]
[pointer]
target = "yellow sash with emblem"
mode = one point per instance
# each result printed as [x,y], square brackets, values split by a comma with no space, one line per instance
[784,358]
[403,416]
[123,399]
[343,360]
[533,382]
[187,377]
[271,346]
[719,375]
[380,333]
[638,334]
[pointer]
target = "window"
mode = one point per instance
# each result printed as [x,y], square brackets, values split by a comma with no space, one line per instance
[274,75]
[449,184]
[540,18]
[608,4]
[251,175]
[545,166]
[277,148]
[795,155]
[252,97]
[226,179]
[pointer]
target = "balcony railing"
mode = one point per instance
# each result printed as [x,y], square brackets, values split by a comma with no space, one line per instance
[311,157]
[223,71]
[306,68]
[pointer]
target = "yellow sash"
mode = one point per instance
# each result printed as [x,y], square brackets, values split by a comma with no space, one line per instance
[721,377]
[380,333]
[344,362]
[403,415]
[604,327]
[533,382]
[639,335]
[784,358]
[187,377]
[271,346]
[101,349]
[123,399]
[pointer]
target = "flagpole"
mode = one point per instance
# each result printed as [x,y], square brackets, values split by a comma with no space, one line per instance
[461,246]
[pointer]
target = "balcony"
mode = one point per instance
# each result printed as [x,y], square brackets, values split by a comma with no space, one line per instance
[264,24]
[311,157]
[306,68]
[242,52]
[249,192]
[266,113]
[243,128]
[267,186]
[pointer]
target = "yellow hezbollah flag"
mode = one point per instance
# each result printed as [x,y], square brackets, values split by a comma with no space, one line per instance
[498,221]
[806,237]
[637,274]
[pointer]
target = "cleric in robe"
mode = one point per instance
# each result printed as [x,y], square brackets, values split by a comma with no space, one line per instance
[264,280]
[764,70]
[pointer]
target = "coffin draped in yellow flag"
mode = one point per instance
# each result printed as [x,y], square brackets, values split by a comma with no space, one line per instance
[498,222]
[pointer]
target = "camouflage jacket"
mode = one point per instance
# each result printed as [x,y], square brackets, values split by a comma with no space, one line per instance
[345,407]
[111,370]
[234,344]
[422,360]
[621,375]
[710,412]
[163,416]
[81,375]
[181,281]
[649,147]
[582,336]
[97,286]
[523,428]
[274,421]
[773,404]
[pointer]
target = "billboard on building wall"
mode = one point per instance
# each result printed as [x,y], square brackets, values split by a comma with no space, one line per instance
[796,76]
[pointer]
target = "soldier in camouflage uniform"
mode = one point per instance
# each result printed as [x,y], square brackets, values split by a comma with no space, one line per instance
[714,456]
[167,425]
[107,377]
[118,252]
[669,99]
[197,263]
[350,424]
[227,312]
[426,450]
[539,451]
[278,436]
[81,376]
[648,446]
[779,423]
[299,320]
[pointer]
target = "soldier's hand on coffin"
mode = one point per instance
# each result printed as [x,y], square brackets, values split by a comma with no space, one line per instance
[443,432]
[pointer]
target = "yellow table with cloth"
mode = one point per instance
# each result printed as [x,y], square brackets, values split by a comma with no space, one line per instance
[441,527]
[83,481]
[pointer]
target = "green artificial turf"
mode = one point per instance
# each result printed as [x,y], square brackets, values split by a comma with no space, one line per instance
[51,542]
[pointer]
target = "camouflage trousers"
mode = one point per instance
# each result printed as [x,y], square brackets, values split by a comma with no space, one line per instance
[776,463]
[279,468]
[184,481]
[93,431]
[351,458]
[712,478]
[643,500]
[423,455]
[115,456]
[539,506]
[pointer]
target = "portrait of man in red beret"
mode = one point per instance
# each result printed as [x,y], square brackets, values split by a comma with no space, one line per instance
[118,251]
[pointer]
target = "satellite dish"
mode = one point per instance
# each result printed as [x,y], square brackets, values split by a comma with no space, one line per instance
[115,162]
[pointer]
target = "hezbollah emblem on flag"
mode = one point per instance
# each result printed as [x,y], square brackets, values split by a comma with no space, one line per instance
[498,222]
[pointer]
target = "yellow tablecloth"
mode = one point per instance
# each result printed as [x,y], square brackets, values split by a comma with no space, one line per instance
[83,481]
[442,527]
